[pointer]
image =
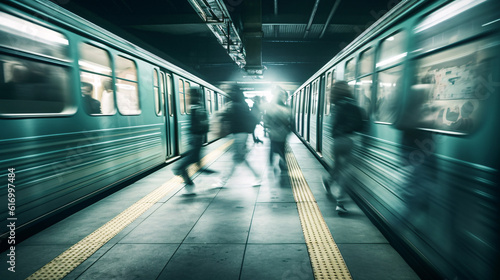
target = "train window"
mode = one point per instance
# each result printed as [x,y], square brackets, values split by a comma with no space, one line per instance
[308,100]
[315,97]
[328,89]
[350,68]
[388,88]
[392,50]
[162,92]
[209,100]
[295,103]
[30,87]
[212,101]
[20,34]
[455,22]
[302,101]
[182,102]
[363,94]
[156,92]
[96,80]
[366,62]
[451,87]
[170,96]
[221,104]
[127,91]
[94,59]
[187,95]
[330,80]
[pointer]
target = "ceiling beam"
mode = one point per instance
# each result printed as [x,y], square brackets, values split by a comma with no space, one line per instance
[216,16]
[330,16]
[144,19]
[311,18]
[252,37]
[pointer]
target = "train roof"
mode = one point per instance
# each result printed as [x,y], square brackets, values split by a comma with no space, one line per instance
[84,27]
[399,11]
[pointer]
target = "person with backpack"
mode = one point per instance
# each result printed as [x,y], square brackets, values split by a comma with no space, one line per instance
[199,127]
[347,118]
[241,123]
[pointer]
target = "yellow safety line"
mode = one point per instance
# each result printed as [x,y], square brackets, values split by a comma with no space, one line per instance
[66,262]
[326,260]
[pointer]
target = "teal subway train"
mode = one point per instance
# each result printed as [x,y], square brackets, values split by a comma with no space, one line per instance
[426,163]
[81,111]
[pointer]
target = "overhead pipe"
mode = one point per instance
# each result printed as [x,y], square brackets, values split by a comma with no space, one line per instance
[330,16]
[216,16]
[276,27]
[212,12]
[311,18]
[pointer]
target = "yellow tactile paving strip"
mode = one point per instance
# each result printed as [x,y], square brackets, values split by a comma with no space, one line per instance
[66,262]
[326,260]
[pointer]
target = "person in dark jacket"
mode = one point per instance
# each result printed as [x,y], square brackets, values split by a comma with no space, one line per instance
[199,127]
[241,124]
[92,106]
[343,127]
[256,111]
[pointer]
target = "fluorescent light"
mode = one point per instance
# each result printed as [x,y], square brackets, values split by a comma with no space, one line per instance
[491,22]
[31,30]
[94,67]
[256,92]
[446,13]
[391,59]
[200,10]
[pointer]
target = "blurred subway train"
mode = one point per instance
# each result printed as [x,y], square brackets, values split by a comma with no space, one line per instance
[426,163]
[81,111]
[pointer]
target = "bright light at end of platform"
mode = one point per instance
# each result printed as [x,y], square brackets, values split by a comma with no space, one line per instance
[264,94]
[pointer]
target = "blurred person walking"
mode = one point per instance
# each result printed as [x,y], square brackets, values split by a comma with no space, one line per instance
[257,112]
[199,127]
[241,123]
[347,118]
[277,119]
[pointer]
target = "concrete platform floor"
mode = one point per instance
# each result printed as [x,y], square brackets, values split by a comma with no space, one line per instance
[239,231]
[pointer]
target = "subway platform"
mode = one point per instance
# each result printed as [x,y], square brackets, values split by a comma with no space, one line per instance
[286,228]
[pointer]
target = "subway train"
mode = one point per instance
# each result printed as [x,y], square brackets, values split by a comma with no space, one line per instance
[81,111]
[425,165]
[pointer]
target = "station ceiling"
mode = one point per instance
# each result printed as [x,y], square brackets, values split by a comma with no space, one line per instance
[298,36]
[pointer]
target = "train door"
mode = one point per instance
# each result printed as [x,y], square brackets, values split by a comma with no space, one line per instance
[300,106]
[210,107]
[313,113]
[326,129]
[168,95]
[307,106]
[295,112]
[204,99]
[321,100]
